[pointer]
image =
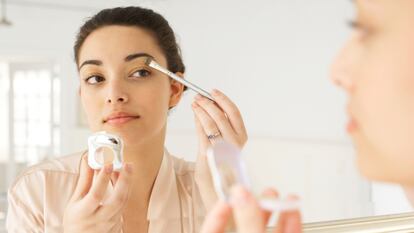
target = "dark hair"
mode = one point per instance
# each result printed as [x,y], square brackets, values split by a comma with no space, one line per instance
[136,17]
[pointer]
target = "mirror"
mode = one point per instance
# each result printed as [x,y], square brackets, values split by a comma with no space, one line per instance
[271,58]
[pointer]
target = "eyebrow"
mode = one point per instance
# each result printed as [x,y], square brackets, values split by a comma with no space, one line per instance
[137,55]
[127,59]
[90,62]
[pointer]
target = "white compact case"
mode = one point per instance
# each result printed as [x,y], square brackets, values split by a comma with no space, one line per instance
[100,140]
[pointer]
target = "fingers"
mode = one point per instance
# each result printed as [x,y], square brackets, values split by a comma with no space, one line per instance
[220,115]
[216,221]
[202,136]
[247,213]
[268,193]
[211,112]
[231,110]
[289,222]
[114,177]
[208,124]
[84,181]
[96,194]
[122,189]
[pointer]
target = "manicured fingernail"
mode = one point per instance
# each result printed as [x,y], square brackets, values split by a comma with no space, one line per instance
[239,196]
[108,168]
[293,197]
[270,193]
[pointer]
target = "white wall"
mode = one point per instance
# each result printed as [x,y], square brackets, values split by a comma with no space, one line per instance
[271,58]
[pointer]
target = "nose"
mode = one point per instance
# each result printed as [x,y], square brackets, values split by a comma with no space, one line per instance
[116,93]
[343,66]
[116,99]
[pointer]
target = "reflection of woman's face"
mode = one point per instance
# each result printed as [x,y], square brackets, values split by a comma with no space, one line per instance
[376,68]
[119,94]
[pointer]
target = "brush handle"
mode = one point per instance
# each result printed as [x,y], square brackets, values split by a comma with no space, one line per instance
[186,83]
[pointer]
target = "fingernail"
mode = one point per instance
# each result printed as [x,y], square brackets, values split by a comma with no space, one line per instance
[293,197]
[198,97]
[239,196]
[215,92]
[128,167]
[270,193]
[108,168]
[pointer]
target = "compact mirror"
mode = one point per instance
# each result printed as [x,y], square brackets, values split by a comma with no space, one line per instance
[105,148]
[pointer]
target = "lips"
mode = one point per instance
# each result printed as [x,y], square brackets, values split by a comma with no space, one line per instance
[120,118]
[352,125]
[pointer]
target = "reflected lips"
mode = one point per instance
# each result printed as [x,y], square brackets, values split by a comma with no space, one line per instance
[351,126]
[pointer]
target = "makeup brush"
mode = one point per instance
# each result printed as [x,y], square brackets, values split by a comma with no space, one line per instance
[151,63]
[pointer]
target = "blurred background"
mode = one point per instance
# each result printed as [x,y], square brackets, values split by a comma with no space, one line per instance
[271,57]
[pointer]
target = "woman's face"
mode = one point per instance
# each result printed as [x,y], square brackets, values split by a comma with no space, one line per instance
[118,92]
[376,69]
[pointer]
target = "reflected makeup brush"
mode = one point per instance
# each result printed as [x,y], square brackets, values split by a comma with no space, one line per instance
[153,64]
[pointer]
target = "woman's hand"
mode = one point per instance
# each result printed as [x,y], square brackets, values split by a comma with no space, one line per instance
[218,120]
[86,211]
[248,216]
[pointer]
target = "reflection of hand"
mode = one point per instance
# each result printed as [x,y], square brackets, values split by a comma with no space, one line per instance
[248,216]
[219,120]
[86,212]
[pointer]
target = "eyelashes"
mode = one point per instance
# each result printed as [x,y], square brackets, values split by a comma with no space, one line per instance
[93,79]
[354,24]
[363,30]
[137,74]
[143,73]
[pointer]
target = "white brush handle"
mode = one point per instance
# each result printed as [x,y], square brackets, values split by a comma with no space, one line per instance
[186,83]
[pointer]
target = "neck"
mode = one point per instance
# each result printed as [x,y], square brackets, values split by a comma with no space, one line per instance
[145,157]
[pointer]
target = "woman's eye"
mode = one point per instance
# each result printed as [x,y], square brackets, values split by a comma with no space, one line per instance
[141,73]
[362,30]
[94,79]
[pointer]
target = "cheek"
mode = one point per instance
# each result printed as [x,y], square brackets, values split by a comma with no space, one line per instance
[386,103]
[91,105]
[154,97]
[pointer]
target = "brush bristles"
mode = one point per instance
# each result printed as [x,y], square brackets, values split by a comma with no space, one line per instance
[148,61]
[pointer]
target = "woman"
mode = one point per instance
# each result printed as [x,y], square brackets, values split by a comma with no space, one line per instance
[154,191]
[375,68]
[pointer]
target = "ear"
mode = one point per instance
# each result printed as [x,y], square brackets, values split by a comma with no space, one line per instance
[177,90]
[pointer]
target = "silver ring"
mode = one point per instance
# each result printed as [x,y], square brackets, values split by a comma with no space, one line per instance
[213,136]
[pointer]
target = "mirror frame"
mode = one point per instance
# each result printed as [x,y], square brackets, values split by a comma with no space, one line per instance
[377,224]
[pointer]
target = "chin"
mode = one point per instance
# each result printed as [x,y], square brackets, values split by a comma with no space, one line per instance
[377,167]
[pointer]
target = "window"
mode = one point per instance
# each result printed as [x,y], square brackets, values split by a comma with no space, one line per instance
[29,115]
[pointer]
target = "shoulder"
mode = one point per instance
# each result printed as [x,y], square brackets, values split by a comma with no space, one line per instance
[37,175]
[38,196]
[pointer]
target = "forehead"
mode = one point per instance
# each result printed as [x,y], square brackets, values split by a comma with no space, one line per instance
[114,43]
